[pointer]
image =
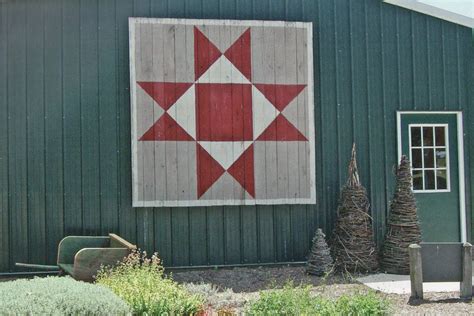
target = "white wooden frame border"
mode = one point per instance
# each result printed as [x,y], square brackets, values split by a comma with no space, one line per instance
[462,176]
[132,21]
[448,164]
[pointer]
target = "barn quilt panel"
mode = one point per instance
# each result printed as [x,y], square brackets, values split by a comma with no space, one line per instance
[222,112]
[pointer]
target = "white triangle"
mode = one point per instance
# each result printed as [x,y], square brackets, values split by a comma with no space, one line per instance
[263,112]
[225,153]
[223,71]
[183,111]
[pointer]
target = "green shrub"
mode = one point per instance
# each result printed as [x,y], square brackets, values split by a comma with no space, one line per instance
[298,301]
[142,284]
[362,305]
[58,296]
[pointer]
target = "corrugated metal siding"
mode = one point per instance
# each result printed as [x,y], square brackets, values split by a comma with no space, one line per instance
[65,123]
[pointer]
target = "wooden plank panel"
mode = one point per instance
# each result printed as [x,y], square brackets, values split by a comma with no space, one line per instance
[420,62]
[310,12]
[215,240]
[376,140]
[90,118]
[330,178]
[127,215]
[17,142]
[72,119]
[405,60]
[435,62]
[450,66]
[391,98]
[180,236]
[108,117]
[4,208]
[232,233]
[198,254]
[53,128]
[36,131]
[343,91]
[145,216]
[249,234]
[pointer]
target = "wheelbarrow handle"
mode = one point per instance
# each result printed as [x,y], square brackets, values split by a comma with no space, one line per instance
[37,266]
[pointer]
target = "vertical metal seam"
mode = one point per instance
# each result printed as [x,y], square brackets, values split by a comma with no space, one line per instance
[412,30]
[9,199]
[99,117]
[62,119]
[117,119]
[44,123]
[387,198]
[81,114]
[428,58]
[26,136]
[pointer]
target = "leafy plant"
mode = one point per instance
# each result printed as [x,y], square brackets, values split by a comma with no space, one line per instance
[361,304]
[288,301]
[58,296]
[299,301]
[140,281]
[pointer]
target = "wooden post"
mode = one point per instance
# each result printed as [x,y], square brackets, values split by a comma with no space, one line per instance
[466,283]
[416,272]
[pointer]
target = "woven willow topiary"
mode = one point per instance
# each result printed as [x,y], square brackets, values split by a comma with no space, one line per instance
[403,227]
[353,242]
[320,261]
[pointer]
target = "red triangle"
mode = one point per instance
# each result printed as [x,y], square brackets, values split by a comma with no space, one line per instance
[165,93]
[239,54]
[208,170]
[281,129]
[205,53]
[280,95]
[243,171]
[166,128]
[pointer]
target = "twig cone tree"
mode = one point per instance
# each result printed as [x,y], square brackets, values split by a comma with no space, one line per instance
[353,241]
[403,227]
[320,260]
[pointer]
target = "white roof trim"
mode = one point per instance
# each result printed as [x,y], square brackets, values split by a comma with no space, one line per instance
[431,8]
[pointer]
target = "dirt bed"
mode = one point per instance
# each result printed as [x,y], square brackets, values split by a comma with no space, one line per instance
[238,286]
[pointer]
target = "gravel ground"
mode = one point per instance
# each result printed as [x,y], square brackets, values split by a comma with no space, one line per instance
[235,287]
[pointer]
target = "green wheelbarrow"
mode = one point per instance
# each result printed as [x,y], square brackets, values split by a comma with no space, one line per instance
[82,256]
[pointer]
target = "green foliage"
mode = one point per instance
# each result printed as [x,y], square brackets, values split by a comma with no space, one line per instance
[362,305]
[142,284]
[298,301]
[58,296]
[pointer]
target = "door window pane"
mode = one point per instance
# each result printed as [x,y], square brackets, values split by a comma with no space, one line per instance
[417,179]
[441,179]
[440,137]
[428,136]
[429,180]
[429,157]
[415,136]
[441,158]
[417,161]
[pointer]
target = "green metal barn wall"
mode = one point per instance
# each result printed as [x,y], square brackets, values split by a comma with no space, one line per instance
[65,123]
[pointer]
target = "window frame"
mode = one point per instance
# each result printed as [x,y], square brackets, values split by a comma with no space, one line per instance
[422,147]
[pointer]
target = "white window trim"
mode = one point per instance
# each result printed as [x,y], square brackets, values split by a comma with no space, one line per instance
[460,139]
[448,165]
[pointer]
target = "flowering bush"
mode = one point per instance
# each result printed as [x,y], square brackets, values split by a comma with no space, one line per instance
[141,282]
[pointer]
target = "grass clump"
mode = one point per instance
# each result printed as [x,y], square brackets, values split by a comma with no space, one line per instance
[58,296]
[141,282]
[298,300]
